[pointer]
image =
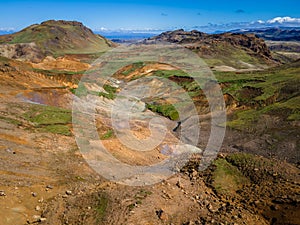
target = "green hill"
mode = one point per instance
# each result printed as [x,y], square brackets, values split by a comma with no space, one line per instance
[60,37]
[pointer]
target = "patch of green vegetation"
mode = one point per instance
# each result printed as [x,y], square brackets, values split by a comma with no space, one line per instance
[244,119]
[170,73]
[101,207]
[49,119]
[79,178]
[132,206]
[57,72]
[26,37]
[274,92]
[65,39]
[80,91]
[214,62]
[109,134]
[4,59]
[234,77]
[258,169]
[11,120]
[270,82]
[57,129]
[48,115]
[287,110]
[141,195]
[227,179]
[293,103]
[294,116]
[111,92]
[134,67]
[242,57]
[165,110]
[229,55]
[190,86]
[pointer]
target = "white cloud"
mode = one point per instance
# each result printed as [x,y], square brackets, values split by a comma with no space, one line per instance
[260,21]
[7,29]
[285,19]
[102,29]
[275,22]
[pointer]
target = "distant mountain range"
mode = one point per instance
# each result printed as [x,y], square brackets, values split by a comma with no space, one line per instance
[287,22]
[279,28]
[274,34]
[267,33]
[276,22]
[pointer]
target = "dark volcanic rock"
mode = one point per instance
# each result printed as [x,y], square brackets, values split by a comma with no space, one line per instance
[275,34]
[203,42]
[180,36]
[249,41]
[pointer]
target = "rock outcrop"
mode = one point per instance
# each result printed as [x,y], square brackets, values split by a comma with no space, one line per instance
[204,42]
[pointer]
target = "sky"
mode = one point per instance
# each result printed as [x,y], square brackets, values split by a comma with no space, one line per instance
[143,14]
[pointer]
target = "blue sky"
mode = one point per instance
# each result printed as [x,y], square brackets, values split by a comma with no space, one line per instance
[143,14]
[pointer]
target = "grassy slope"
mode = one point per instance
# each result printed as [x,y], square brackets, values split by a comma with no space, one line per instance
[233,56]
[274,91]
[59,38]
[49,119]
[278,94]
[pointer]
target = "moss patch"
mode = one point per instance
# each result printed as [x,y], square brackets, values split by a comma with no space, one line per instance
[101,207]
[57,129]
[258,169]
[49,119]
[10,120]
[165,110]
[111,92]
[109,134]
[227,178]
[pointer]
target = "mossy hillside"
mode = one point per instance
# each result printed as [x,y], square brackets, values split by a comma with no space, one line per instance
[49,119]
[11,120]
[57,129]
[228,55]
[165,110]
[257,168]
[82,90]
[272,92]
[226,178]
[270,82]
[58,38]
